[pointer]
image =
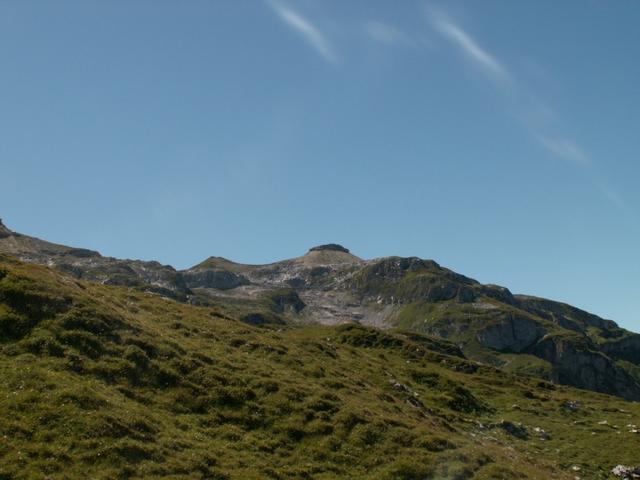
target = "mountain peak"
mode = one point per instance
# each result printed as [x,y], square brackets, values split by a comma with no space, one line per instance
[332,247]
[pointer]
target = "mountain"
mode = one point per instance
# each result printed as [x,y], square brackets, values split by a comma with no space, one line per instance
[108,381]
[329,285]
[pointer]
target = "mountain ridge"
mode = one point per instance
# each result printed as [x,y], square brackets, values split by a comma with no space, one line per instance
[328,285]
[108,372]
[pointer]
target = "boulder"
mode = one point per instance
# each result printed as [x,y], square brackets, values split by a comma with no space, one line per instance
[626,472]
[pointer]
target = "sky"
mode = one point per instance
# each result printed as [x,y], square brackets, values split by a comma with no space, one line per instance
[499,138]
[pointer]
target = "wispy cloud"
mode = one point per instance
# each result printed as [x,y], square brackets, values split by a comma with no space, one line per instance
[471,49]
[535,115]
[565,149]
[614,197]
[386,34]
[304,27]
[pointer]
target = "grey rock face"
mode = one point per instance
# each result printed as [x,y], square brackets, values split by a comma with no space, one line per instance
[287,300]
[4,231]
[513,333]
[213,278]
[574,363]
[496,292]
[625,348]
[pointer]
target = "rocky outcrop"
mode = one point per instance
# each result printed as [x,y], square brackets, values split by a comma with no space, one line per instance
[392,268]
[332,247]
[562,314]
[90,265]
[213,278]
[625,348]
[513,333]
[151,276]
[285,300]
[496,292]
[4,231]
[412,279]
[575,363]
[82,253]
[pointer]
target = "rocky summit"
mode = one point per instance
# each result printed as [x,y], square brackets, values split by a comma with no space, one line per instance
[330,247]
[325,365]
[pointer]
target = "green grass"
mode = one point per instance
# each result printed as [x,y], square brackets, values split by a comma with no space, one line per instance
[524,364]
[108,382]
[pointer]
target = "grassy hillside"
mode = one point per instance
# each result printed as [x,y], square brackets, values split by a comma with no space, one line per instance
[525,335]
[109,382]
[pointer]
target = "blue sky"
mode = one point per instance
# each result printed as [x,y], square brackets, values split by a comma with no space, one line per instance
[499,138]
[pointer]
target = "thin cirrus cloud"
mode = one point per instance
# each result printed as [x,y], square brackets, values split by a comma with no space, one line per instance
[528,106]
[306,29]
[564,149]
[613,196]
[471,49]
